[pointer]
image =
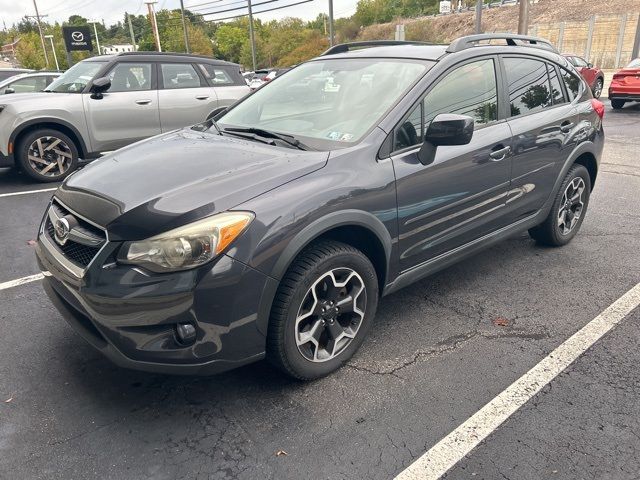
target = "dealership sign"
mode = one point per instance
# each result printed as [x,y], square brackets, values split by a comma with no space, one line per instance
[77,38]
[445,6]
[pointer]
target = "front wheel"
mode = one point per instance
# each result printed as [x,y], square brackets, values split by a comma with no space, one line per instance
[322,311]
[47,155]
[568,210]
[597,88]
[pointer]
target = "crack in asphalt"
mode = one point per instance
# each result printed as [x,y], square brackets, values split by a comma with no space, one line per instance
[449,344]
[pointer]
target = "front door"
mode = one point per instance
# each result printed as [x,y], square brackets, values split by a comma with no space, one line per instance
[127,112]
[462,194]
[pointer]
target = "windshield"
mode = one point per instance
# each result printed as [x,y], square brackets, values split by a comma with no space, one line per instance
[634,63]
[328,103]
[76,78]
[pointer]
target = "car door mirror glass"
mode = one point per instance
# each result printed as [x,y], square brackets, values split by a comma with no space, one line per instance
[99,86]
[9,90]
[590,65]
[445,129]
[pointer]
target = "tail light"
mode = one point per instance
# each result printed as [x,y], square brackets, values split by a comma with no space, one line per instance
[598,107]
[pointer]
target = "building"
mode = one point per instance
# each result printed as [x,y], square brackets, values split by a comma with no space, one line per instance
[119,48]
[8,52]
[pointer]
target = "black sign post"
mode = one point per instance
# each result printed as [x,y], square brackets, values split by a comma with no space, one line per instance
[76,39]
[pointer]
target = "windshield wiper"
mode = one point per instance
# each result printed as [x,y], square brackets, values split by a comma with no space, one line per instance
[291,140]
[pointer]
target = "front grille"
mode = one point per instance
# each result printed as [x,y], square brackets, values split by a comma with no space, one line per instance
[76,252]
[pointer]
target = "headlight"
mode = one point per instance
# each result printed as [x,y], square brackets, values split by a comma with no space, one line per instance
[188,246]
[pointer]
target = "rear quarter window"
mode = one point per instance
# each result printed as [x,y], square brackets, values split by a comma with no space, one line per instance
[221,75]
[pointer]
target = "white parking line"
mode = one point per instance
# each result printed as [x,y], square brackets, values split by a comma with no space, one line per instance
[453,448]
[20,281]
[11,194]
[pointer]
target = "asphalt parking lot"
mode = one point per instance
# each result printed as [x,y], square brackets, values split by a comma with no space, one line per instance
[439,350]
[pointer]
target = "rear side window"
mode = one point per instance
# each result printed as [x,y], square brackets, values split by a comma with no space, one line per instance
[221,75]
[179,75]
[29,84]
[556,89]
[468,90]
[571,82]
[529,88]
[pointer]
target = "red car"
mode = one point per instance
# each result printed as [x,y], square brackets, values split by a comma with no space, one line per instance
[625,86]
[592,75]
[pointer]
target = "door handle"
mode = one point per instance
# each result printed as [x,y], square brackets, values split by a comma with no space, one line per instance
[202,97]
[143,102]
[566,127]
[500,154]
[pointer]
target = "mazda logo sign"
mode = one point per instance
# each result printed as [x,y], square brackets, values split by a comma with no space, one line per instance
[61,229]
[77,36]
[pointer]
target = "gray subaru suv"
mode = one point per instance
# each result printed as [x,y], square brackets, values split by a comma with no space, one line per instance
[107,102]
[291,214]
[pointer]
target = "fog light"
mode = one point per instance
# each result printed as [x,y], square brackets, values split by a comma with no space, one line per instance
[186,333]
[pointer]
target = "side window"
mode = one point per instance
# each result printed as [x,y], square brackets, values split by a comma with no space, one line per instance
[579,62]
[217,76]
[130,77]
[468,90]
[556,89]
[529,88]
[179,75]
[572,83]
[29,84]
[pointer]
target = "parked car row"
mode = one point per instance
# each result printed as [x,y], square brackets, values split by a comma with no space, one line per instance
[260,77]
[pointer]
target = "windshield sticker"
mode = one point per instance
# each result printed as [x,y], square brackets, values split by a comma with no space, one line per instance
[340,137]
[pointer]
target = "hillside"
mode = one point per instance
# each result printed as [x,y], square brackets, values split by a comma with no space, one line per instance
[446,28]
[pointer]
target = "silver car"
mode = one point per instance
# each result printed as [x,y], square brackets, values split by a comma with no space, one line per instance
[107,102]
[27,82]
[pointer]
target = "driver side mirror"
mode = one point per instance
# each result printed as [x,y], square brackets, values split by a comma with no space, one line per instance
[9,90]
[99,86]
[445,129]
[590,65]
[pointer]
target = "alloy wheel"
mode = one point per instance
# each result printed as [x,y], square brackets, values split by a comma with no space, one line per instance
[49,156]
[572,206]
[330,315]
[597,91]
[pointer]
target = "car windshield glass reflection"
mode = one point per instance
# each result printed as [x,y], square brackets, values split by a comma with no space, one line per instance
[76,78]
[327,101]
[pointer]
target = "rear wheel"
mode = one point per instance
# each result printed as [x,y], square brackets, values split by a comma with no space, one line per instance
[47,155]
[617,104]
[322,311]
[568,210]
[597,88]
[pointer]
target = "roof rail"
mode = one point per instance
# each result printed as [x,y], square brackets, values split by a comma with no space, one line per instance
[345,47]
[512,39]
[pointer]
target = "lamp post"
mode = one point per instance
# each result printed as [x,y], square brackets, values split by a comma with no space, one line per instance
[95,30]
[55,56]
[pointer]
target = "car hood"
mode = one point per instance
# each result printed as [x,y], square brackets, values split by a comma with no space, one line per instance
[176,178]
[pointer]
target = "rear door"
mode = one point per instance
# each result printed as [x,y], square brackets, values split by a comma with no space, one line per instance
[227,82]
[184,96]
[460,196]
[128,111]
[545,126]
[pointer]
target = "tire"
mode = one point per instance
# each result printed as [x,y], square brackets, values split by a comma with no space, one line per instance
[47,155]
[617,104]
[297,311]
[559,229]
[597,88]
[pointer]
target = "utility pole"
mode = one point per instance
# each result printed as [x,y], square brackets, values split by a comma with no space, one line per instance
[251,37]
[154,23]
[523,21]
[95,30]
[53,48]
[479,16]
[331,36]
[636,43]
[133,38]
[184,27]
[44,49]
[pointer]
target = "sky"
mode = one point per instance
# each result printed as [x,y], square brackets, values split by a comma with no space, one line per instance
[111,11]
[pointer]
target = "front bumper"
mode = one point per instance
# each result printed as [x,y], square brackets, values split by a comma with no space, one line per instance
[130,315]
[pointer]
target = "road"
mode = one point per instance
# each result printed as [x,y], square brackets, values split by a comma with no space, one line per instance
[439,350]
